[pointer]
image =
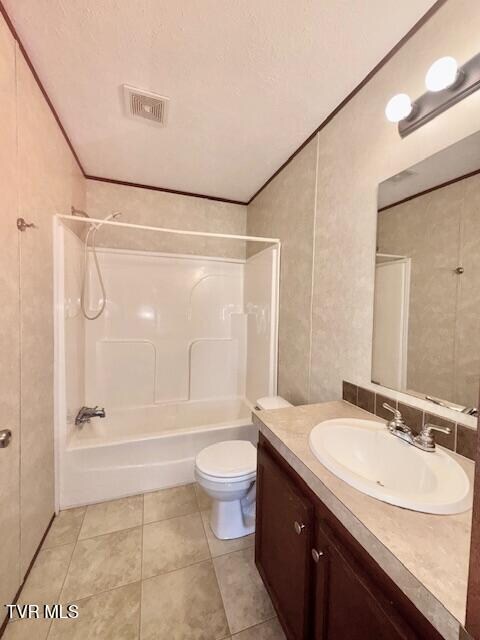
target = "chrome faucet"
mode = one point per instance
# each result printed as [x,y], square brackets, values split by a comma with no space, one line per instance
[397,425]
[424,440]
[86,413]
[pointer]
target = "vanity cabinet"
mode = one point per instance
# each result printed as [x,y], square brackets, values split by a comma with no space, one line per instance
[284,540]
[348,603]
[323,584]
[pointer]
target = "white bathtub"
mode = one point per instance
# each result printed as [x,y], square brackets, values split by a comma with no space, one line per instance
[136,450]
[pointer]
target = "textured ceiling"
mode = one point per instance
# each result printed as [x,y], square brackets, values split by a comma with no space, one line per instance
[248,80]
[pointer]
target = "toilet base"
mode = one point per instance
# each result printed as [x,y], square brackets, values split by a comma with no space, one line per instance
[228,521]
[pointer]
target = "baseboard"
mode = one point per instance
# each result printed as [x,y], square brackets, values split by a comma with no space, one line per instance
[6,620]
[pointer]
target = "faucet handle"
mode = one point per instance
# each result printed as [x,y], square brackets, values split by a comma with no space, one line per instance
[396,413]
[425,439]
[397,423]
[429,427]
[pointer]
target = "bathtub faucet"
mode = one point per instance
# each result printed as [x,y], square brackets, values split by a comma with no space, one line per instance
[86,413]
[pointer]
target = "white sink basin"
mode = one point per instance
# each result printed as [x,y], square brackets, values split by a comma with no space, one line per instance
[369,458]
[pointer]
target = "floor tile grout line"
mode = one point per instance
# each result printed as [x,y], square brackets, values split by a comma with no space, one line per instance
[187,566]
[254,626]
[98,535]
[140,611]
[101,593]
[206,536]
[221,596]
[141,569]
[143,536]
[109,533]
[66,573]
[172,517]
[68,569]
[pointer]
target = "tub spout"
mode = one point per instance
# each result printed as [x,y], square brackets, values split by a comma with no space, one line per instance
[86,413]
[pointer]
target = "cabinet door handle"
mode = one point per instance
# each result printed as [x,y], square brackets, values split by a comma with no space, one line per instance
[316,555]
[299,527]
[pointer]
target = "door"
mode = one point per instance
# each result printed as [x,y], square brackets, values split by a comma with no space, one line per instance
[9,330]
[348,604]
[283,545]
[390,322]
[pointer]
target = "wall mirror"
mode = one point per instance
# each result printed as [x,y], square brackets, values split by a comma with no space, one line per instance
[426,334]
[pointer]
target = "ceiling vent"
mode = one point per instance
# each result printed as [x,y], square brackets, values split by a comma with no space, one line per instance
[145,105]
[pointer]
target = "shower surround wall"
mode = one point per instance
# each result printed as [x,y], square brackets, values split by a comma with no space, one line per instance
[174,330]
[184,348]
[74,325]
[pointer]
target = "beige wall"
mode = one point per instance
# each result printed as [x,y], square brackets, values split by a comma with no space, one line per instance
[286,210]
[160,209]
[357,150]
[9,329]
[439,232]
[49,181]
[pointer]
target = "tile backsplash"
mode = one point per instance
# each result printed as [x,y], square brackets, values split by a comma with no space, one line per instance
[462,440]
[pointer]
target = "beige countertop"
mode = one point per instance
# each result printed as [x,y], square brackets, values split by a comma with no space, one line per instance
[426,555]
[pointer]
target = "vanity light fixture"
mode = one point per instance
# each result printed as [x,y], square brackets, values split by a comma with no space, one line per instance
[446,85]
[442,74]
[398,107]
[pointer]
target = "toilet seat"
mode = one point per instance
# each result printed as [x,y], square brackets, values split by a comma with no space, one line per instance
[228,461]
[227,472]
[208,477]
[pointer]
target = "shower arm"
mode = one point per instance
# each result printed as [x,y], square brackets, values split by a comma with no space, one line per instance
[79,213]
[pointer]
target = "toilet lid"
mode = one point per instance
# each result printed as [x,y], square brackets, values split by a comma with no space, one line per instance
[228,459]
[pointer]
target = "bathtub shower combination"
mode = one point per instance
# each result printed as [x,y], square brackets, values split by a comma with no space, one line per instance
[185,346]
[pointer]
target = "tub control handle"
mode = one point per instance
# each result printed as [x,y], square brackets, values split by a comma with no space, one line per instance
[316,555]
[5,437]
[299,527]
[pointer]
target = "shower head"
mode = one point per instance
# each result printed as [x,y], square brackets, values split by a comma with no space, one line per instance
[112,216]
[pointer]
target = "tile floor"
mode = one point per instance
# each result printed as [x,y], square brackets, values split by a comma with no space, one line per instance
[147,568]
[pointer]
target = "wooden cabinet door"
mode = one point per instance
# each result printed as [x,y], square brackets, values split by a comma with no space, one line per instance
[283,545]
[348,604]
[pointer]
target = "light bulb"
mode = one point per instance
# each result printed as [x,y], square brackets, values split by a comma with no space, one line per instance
[398,107]
[442,74]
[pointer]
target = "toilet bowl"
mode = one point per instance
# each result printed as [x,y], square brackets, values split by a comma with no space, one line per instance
[226,471]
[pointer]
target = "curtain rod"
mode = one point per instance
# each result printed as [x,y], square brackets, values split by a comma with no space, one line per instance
[182,232]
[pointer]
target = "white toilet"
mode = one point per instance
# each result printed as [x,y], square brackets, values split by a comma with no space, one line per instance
[226,471]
